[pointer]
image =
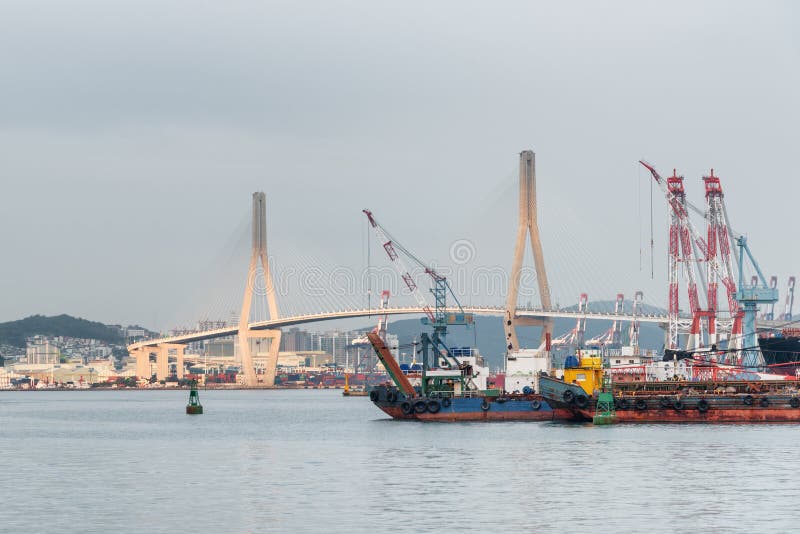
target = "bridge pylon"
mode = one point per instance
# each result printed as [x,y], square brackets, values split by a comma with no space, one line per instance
[528,225]
[161,353]
[259,254]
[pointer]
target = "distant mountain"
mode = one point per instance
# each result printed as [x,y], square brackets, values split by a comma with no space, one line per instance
[15,332]
[487,333]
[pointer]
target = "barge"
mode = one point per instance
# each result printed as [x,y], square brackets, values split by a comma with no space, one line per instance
[584,389]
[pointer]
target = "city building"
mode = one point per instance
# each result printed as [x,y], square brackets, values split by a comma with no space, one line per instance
[41,351]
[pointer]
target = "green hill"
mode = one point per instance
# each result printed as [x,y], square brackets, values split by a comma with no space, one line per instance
[15,332]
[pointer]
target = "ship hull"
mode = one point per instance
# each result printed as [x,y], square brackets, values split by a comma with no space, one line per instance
[478,408]
[692,415]
[781,354]
[746,402]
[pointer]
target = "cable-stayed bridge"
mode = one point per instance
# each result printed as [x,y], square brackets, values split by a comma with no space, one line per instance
[497,311]
[249,331]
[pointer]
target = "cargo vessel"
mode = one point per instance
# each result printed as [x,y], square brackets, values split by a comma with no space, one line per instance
[587,394]
[781,350]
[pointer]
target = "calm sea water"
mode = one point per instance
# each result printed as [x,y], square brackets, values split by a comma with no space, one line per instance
[314,461]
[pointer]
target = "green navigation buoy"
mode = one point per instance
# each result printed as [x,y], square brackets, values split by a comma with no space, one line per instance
[604,413]
[194,407]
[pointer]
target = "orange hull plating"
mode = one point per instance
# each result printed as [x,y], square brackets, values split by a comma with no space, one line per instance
[728,415]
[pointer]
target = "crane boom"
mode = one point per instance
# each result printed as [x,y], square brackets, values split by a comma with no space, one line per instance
[787,313]
[438,319]
[391,247]
[681,236]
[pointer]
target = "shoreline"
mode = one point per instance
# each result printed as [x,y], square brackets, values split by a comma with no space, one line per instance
[176,388]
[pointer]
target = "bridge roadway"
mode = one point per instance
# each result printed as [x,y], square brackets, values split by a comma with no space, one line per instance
[281,322]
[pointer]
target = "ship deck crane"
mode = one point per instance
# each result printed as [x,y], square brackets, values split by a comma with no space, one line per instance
[438,318]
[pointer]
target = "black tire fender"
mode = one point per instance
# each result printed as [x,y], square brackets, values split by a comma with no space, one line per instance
[406,407]
[568,396]
[434,406]
[420,406]
[535,405]
[748,400]
[794,402]
[623,404]
[581,401]
[641,404]
[373,395]
[677,404]
[764,402]
[485,405]
[702,405]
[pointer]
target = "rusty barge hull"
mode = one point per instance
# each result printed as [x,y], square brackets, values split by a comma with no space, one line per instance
[726,415]
[682,402]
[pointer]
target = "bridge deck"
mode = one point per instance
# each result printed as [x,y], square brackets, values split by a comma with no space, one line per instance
[281,322]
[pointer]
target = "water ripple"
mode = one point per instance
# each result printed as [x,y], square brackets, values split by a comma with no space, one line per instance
[313,461]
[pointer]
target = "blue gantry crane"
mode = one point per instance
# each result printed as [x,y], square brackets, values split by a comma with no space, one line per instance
[749,297]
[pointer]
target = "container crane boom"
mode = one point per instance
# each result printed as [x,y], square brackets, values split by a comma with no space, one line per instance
[773,283]
[383,319]
[633,328]
[787,313]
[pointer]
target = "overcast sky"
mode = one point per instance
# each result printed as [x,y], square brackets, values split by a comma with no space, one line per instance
[132,135]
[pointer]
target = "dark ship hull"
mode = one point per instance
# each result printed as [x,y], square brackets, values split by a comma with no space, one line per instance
[781,353]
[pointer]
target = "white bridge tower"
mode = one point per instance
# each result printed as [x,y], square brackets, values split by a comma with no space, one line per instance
[257,281]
